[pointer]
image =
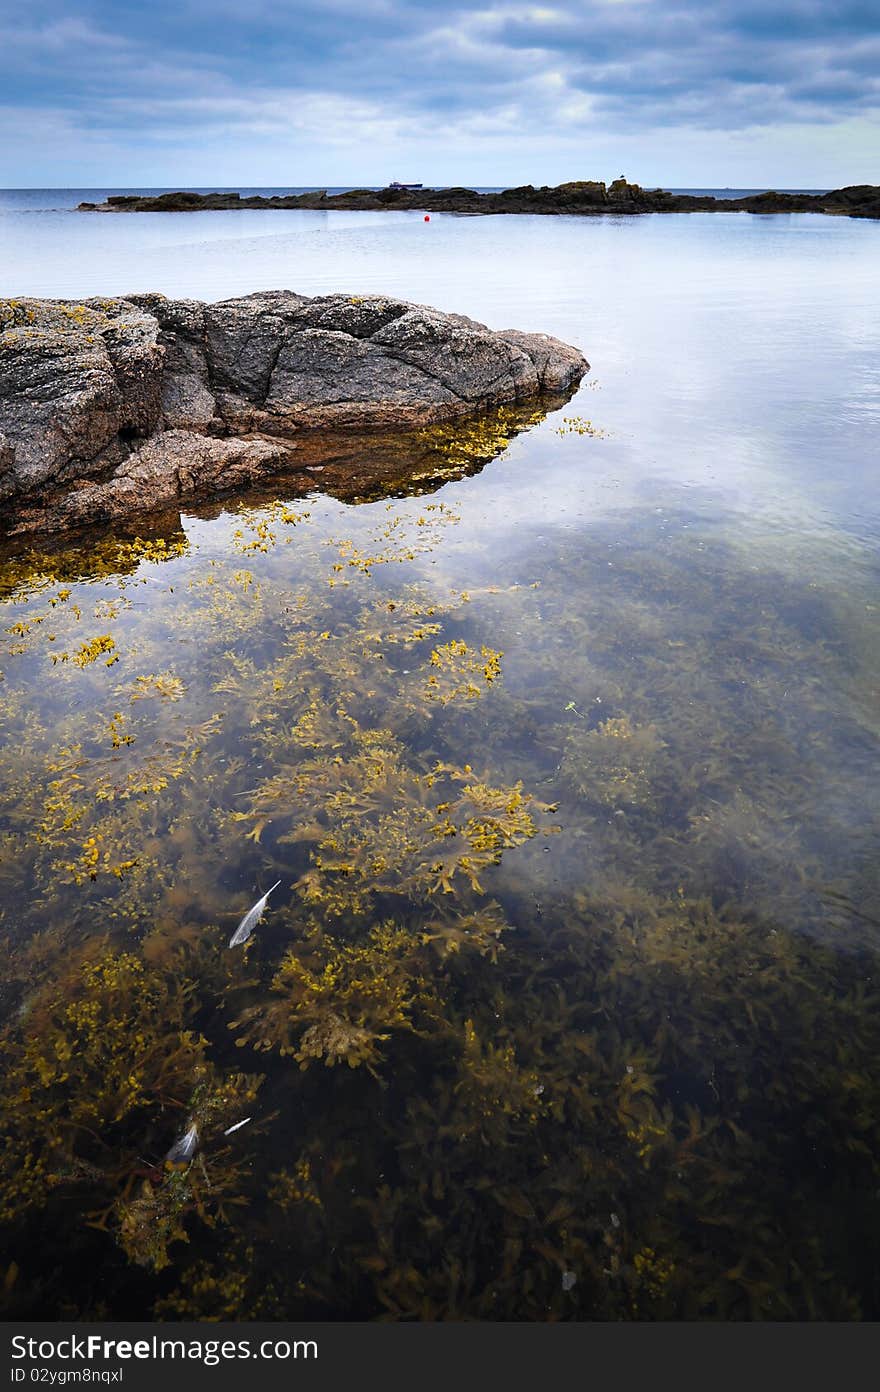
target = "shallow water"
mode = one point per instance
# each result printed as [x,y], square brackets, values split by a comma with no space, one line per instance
[568,768]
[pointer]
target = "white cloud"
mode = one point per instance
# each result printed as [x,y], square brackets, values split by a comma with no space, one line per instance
[526,91]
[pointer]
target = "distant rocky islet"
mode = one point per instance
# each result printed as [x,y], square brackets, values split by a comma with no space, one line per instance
[588,198]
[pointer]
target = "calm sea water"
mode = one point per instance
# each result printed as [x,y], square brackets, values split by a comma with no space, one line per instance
[565,753]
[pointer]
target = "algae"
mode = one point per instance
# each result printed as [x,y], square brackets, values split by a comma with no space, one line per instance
[567,1006]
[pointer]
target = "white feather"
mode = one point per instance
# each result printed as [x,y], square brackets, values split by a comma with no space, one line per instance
[237,1127]
[251,919]
[184,1148]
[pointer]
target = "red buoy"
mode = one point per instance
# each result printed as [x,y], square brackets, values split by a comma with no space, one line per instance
[427,218]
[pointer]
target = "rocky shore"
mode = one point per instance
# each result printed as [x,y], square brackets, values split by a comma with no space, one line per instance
[110,406]
[588,198]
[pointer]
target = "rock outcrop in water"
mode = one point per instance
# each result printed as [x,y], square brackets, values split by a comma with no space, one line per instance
[585,197]
[113,405]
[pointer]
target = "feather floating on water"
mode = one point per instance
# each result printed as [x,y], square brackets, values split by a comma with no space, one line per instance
[251,919]
[183,1150]
[237,1127]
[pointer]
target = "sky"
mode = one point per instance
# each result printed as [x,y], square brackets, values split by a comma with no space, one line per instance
[676,93]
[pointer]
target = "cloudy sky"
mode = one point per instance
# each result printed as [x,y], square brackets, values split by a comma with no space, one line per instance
[684,93]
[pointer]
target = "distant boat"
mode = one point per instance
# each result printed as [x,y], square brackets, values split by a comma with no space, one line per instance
[395,185]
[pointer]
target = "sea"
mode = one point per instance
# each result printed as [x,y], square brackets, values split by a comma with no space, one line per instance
[564,747]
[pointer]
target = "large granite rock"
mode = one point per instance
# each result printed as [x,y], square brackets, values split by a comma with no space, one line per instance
[133,402]
[76,383]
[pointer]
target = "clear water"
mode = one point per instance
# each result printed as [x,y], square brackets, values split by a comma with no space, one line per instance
[649,625]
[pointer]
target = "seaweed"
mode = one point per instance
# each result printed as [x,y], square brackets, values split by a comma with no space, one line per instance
[567,1004]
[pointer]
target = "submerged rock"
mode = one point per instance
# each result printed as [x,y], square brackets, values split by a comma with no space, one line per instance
[114,405]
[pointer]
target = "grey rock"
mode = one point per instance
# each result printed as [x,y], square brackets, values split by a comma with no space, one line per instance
[472,363]
[181,462]
[351,314]
[244,338]
[187,403]
[75,380]
[130,341]
[148,397]
[325,370]
[556,370]
[172,465]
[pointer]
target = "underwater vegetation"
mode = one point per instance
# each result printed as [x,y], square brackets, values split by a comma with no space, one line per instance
[562,1000]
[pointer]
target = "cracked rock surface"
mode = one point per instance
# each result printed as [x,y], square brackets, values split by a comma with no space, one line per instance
[130,403]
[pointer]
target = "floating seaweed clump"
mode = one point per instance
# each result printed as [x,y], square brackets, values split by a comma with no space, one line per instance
[616,763]
[404,621]
[163,684]
[90,652]
[492,1088]
[458,671]
[338,1001]
[376,827]
[455,451]
[83,1060]
[453,930]
[579,425]
[291,1188]
[219,1290]
[256,531]
[160,1214]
